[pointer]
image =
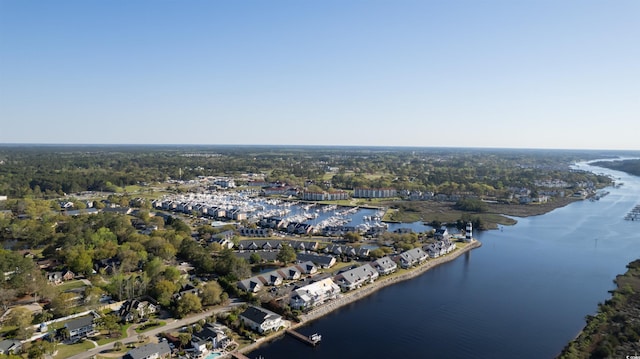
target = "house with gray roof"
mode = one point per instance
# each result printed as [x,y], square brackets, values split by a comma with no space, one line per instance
[80,327]
[251,285]
[384,265]
[412,257]
[10,346]
[150,351]
[321,261]
[356,277]
[261,320]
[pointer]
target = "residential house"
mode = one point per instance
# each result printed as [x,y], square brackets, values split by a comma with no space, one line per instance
[10,346]
[307,268]
[290,273]
[441,233]
[187,288]
[439,248]
[135,309]
[320,260]
[79,328]
[384,265]
[261,320]
[356,277]
[150,351]
[256,232]
[412,257]
[213,334]
[251,285]
[314,294]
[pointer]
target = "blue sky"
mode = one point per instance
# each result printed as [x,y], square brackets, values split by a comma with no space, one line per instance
[514,74]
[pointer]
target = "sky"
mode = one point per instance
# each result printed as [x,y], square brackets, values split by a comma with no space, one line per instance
[432,73]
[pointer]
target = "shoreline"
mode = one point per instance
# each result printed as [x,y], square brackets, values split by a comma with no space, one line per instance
[351,297]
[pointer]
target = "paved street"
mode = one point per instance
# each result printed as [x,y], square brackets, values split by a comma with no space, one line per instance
[171,325]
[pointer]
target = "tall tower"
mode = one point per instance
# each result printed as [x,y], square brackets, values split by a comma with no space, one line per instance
[469,232]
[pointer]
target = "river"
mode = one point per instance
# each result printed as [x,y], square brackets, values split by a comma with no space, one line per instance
[524,293]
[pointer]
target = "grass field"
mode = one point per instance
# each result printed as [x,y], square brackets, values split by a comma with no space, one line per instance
[65,351]
[70,285]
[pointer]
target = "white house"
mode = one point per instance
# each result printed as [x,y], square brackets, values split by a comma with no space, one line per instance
[314,294]
[261,320]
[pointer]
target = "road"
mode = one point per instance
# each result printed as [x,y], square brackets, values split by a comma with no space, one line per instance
[176,323]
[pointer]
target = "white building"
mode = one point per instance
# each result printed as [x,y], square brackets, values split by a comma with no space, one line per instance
[261,320]
[314,294]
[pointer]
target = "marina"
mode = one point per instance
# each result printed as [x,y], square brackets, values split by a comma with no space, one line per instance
[236,206]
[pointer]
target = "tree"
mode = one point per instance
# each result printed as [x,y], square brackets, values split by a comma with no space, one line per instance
[184,338]
[109,322]
[187,304]
[21,318]
[163,291]
[211,293]
[352,236]
[254,258]
[117,346]
[62,305]
[286,255]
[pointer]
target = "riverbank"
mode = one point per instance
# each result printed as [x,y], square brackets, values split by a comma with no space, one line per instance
[350,297]
[445,212]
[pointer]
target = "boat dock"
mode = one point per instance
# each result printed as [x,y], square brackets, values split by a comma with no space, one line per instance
[634,214]
[312,340]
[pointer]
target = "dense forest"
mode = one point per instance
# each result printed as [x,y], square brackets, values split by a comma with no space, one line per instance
[629,166]
[53,171]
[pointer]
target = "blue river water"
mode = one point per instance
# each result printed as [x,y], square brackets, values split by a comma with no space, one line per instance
[523,294]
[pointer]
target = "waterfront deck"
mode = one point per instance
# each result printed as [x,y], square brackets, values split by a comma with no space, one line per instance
[238,355]
[312,340]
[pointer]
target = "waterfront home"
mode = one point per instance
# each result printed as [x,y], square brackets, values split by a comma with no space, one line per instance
[79,328]
[261,320]
[441,233]
[412,257]
[439,248]
[384,265]
[314,294]
[318,259]
[214,333]
[150,351]
[356,277]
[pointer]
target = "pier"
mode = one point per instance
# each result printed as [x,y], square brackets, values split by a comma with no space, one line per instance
[312,340]
[238,355]
[634,214]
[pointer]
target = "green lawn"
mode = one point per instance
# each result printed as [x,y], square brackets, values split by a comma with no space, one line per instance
[123,334]
[65,351]
[149,325]
[70,285]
